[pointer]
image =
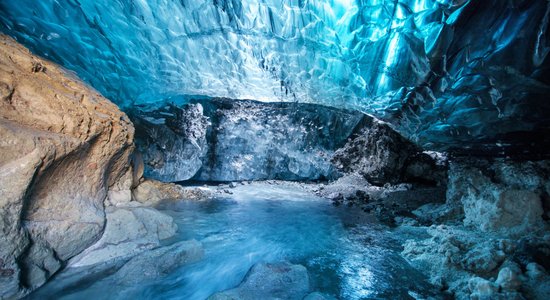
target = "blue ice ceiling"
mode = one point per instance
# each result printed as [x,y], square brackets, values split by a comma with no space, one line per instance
[445,73]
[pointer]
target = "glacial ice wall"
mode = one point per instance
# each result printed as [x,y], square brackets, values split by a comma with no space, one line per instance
[469,74]
[235,140]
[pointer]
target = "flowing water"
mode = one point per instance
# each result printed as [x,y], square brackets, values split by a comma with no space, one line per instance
[348,255]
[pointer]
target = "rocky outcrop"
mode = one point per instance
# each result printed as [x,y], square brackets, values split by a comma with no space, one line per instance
[377,152]
[382,155]
[386,174]
[126,273]
[152,265]
[63,148]
[152,192]
[129,231]
[390,203]
[502,196]
[476,265]
[270,281]
[494,243]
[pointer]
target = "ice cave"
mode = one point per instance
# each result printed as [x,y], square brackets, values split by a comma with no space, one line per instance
[274,149]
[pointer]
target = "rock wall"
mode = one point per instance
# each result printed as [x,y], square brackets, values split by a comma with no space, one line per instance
[490,239]
[63,148]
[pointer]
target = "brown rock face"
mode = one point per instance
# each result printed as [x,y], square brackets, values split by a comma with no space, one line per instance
[62,147]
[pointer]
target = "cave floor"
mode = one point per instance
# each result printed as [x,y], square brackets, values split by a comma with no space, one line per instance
[348,253]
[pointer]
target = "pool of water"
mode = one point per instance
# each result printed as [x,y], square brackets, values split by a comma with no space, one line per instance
[348,254]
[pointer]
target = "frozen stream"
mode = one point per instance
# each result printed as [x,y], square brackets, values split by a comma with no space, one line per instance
[347,254]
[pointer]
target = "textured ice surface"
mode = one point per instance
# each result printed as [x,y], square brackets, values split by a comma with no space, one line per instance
[172,141]
[226,140]
[448,73]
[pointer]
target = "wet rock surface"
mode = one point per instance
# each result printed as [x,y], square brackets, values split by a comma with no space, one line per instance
[288,215]
[151,192]
[152,265]
[128,231]
[66,181]
[63,148]
[270,281]
[462,261]
[141,268]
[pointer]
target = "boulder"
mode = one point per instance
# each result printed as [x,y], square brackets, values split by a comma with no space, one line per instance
[499,195]
[508,279]
[270,281]
[63,148]
[129,231]
[482,289]
[377,152]
[152,265]
[152,192]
